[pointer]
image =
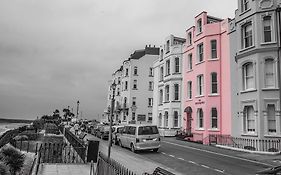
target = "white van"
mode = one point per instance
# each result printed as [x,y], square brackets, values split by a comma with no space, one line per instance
[140,137]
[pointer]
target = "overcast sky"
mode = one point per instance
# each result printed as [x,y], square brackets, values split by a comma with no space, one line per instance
[55,52]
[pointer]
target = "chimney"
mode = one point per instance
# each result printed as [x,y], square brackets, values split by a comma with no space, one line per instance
[149,45]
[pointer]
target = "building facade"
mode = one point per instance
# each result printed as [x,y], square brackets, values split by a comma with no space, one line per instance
[255,59]
[134,87]
[206,78]
[167,86]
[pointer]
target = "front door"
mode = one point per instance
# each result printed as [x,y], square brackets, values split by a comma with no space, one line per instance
[188,122]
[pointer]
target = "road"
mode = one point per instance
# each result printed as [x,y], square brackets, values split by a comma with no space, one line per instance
[196,159]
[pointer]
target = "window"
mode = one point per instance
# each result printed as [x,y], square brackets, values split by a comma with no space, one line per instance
[135,84]
[167,93]
[166,119]
[245,5]
[127,72]
[267,27]
[189,63]
[149,117]
[176,89]
[125,102]
[199,26]
[167,67]
[119,80]
[135,70]
[161,54]
[118,91]
[214,49]
[269,73]
[151,71]
[214,118]
[247,35]
[150,86]
[200,52]
[189,89]
[161,73]
[133,116]
[200,84]
[189,38]
[134,101]
[214,83]
[271,120]
[160,120]
[161,96]
[126,85]
[176,119]
[168,46]
[200,118]
[150,102]
[177,65]
[249,119]
[248,75]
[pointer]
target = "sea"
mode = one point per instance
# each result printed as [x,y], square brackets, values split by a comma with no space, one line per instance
[9,126]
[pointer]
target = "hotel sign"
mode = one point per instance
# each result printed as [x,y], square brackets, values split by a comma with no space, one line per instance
[199,102]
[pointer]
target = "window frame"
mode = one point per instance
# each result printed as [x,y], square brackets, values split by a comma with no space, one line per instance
[271,28]
[246,77]
[200,85]
[176,119]
[168,67]
[189,90]
[214,118]
[177,65]
[167,93]
[200,118]
[214,83]
[247,34]
[200,52]
[214,50]
[199,26]
[176,92]
[135,84]
[189,62]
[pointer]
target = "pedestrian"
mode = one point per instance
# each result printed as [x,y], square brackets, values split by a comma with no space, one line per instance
[76,128]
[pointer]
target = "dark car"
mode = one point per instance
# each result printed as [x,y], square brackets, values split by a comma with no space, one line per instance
[103,132]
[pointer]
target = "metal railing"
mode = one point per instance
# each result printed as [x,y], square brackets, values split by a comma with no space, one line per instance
[111,167]
[264,145]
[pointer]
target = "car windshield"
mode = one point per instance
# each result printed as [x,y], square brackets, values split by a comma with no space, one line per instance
[148,130]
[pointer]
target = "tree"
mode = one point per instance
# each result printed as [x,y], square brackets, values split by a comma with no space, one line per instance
[3,169]
[13,158]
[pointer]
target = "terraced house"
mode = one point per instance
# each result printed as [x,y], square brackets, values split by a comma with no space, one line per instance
[167,86]
[206,79]
[255,66]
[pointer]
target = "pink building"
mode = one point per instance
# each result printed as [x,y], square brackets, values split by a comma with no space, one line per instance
[206,79]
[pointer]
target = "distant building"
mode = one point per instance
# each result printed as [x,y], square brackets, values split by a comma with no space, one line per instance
[206,78]
[167,86]
[255,70]
[133,93]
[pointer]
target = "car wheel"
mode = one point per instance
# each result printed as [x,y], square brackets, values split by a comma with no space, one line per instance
[155,150]
[133,148]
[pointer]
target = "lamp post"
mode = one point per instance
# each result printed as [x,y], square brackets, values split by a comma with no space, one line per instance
[112,87]
[77,109]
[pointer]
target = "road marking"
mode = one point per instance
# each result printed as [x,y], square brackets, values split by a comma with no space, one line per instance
[163,153]
[229,156]
[205,166]
[171,155]
[193,162]
[221,171]
[180,158]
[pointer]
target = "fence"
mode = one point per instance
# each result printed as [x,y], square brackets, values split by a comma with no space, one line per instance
[111,167]
[265,145]
[25,145]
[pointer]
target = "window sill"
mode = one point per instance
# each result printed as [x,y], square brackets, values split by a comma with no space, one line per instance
[190,70]
[247,48]
[199,96]
[214,95]
[250,134]
[272,135]
[167,75]
[167,51]
[243,12]
[166,101]
[270,89]
[188,100]
[200,129]
[214,129]
[160,104]
[198,33]
[149,106]
[136,75]
[213,59]
[176,101]
[199,62]
[249,90]
[268,43]
[135,89]
[150,75]
[176,73]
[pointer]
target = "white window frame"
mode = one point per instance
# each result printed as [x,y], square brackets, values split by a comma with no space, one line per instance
[271,74]
[161,96]
[247,77]
[161,73]
[247,120]
[176,119]
[160,119]
[200,85]
[176,92]
[189,90]
[166,119]
[167,93]
[270,30]
[135,84]
[199,26]
[200,52]
[200,118]
[189,38]
[247,34]
[135,70]
[214,83]
[189,61]
[271,119]
[214,117]
[177,65]
[214,50]
[245,5]
[150,85]
[168,67]
[150,102]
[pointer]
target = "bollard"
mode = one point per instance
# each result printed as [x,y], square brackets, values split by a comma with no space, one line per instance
[93,149]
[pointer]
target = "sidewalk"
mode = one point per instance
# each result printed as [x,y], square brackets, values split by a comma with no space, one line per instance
[132,161]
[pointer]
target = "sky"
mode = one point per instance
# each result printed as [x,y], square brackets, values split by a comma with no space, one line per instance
[56,52]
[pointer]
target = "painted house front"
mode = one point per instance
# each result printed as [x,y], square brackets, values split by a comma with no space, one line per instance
[206,79]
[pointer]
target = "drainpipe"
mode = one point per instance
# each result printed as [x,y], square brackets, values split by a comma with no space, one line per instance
[278,35]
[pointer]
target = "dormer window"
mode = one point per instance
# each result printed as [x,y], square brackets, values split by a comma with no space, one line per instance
[168,46]
[245,5]
[189,38]
[161,54]
[199,26]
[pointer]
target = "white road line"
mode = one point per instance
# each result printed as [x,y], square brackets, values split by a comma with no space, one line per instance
[180,158]
[193,162]
[221,171]
[205,166]
[171,155]
[163,153]
[252,161]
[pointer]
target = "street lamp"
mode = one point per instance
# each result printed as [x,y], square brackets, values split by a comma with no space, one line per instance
[77,109]
[112,87]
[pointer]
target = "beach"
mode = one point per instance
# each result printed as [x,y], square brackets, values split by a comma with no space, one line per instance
[8,126]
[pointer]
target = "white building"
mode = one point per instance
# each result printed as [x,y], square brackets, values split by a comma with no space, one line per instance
[134,87]
[168,87]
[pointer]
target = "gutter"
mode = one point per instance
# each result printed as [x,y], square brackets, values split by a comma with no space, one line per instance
[278,34]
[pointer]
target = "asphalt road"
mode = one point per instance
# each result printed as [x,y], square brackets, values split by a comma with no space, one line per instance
[196,159]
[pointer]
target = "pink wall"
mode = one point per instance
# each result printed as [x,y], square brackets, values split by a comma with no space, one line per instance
[217,31]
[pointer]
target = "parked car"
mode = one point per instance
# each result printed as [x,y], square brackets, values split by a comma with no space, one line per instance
[95,129]
[116,130]
[140,137]
[103,132]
